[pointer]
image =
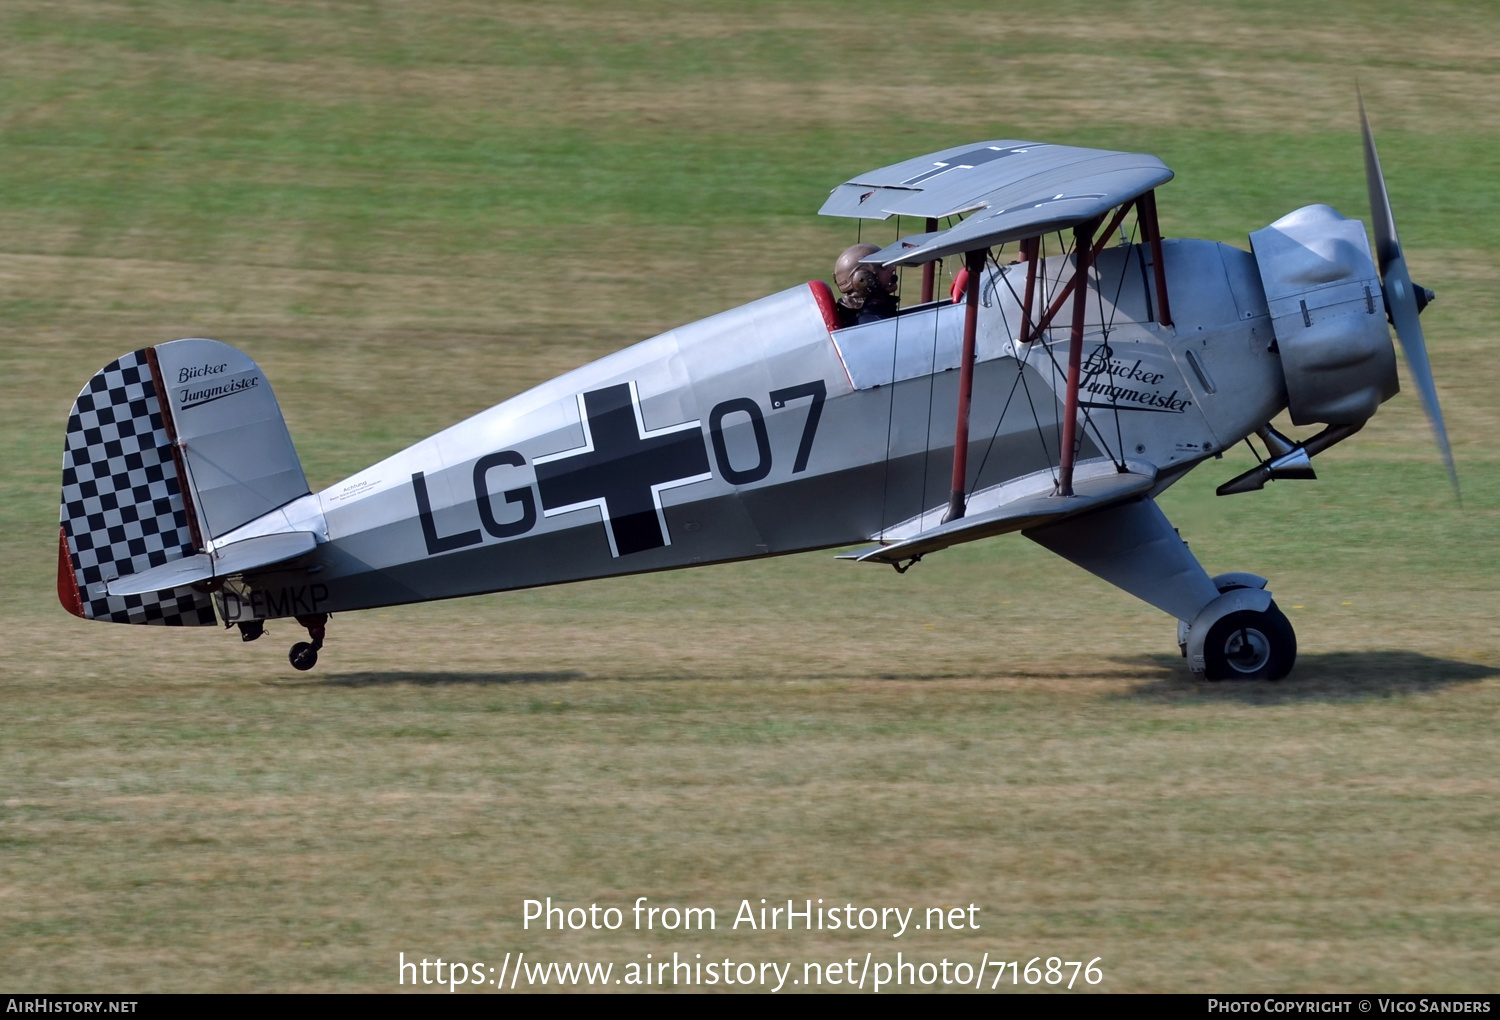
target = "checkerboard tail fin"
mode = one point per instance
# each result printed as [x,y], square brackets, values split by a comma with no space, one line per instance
[123,501]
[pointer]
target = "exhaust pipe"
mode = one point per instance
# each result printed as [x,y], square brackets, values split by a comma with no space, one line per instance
[1289,460]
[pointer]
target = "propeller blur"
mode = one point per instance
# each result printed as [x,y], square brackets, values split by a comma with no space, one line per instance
[1404,299]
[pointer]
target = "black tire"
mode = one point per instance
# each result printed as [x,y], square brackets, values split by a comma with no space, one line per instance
[1250,646]
[303,656]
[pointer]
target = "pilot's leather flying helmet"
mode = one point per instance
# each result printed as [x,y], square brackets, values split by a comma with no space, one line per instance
[852,278]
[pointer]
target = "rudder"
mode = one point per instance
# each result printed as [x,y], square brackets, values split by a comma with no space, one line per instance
[237,455]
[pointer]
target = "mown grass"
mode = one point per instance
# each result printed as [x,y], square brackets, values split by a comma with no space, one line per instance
[408,212]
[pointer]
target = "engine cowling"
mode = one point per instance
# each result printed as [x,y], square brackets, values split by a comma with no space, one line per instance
[1328,314]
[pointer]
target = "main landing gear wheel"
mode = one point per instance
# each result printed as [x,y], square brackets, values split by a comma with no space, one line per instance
[303,656]
[1250,646]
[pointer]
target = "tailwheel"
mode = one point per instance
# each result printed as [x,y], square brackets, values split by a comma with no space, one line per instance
[1249,645]
[303,656]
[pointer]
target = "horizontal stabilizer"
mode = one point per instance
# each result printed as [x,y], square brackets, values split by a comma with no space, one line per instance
[235,558]
[1093,489]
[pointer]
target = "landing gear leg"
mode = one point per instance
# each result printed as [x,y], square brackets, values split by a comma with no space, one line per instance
[304,656]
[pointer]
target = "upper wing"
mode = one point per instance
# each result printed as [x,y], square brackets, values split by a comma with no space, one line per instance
[1010,189]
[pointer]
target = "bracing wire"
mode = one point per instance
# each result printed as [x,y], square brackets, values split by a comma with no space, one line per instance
[900,270]
[1088,419]
[1041,432]
[1109,328]
[1256,452]
[890,423]
[1011,337]
[1068,249]
[992,257]
[1106,327]
[931,390]
[998,421]
[1045,297]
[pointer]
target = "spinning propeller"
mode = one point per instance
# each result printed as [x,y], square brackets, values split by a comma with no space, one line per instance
[1404,300]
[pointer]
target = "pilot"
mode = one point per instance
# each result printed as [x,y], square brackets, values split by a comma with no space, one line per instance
[869,292]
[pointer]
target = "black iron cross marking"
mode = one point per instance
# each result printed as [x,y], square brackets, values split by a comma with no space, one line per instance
[965,161]
[622,468]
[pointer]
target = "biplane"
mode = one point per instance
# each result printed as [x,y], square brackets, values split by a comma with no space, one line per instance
[1084,364]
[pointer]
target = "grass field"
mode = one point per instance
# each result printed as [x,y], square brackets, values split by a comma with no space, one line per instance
[407,212]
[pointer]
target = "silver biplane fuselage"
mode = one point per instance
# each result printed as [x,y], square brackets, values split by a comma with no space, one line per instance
[761,431]
[772,429]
